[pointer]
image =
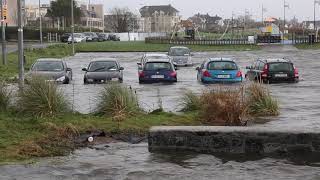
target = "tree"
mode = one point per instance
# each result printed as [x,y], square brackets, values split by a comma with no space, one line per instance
[122,20]
[61,9]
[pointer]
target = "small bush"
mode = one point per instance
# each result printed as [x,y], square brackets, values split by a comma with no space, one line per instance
[224,107]
[260,102]
[41,98]
[190,102]
[118,102]
[4,97]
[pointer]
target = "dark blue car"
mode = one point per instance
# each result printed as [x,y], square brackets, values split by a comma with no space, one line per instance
[219,70]
[157,70]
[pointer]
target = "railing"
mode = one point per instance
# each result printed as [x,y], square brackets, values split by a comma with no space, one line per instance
[210,42]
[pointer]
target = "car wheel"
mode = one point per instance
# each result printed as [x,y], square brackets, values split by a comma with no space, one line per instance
[85,81]
[141,82]
[67,81]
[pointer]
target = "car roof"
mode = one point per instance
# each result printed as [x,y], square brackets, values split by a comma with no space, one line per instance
[103,59]
[158,60]
[221,59]
[49,59]
[149,54]
[179,47]
[272,60]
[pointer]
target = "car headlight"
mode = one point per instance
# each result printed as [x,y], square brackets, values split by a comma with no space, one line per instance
[61,79]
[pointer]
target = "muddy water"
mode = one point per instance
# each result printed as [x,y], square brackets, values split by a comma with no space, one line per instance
[300,108]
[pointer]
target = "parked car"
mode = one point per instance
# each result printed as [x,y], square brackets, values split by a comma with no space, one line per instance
[181,55]
[77,37]
[157,70]
[103,37]
[102,70]
[273,71]
[150,56]
[52,69]
[91,36]
[113,37]
[65,37]
[216,70]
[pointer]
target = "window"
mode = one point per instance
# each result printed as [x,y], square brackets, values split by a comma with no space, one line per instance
[102,66]
[158,66]
[222,65]
[280,67]
[48,66]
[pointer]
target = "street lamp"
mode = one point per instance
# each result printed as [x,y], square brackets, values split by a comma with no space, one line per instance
[20,45]
[4,48]
[90,15]
[40,21]
[314,14]
[285,5]
[72,26]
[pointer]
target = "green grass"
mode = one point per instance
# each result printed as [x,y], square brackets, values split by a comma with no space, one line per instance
[308,46]
[21,137]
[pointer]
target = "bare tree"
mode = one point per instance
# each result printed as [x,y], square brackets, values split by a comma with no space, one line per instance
[122,20]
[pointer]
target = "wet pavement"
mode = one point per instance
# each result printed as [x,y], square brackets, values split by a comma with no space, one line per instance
[300,108]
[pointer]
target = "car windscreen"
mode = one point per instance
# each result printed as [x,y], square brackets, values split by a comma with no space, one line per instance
[179,51]
[157,57]
[158,66]
[48,66]
[280,66]
[102,66]
[222,65]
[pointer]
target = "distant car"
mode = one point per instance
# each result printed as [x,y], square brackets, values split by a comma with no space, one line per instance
[78,38]
[102,70]
[181,55]
[103,37]
[91,36]
[113,37]
[273,71]
[51,69]
[157,70]
[219,70]
[150,56]
[65,37]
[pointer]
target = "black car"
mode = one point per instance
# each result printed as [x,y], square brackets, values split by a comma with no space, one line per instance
[65,37]
[103,37]
[273,71]
[91,36]
[113,37]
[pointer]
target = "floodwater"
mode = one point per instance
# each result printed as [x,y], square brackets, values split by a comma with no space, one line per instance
[300,109]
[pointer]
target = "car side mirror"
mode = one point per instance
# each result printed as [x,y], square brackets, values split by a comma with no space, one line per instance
[84,69]
[121,68]
[176,68]
[69,69]
[139,64]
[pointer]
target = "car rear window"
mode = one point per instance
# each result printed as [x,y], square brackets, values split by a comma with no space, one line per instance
[222,65]
[48,66]
[103,66]
[157,66]
[179,51]
[280,67]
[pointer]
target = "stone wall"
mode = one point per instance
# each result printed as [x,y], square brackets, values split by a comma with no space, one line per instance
[233,140]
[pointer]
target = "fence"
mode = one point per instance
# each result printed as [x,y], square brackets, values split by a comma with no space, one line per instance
[211,42]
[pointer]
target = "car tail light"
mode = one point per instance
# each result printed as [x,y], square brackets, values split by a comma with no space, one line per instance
[265,71]
[141,74]
[206,74]
[296,72]
[239,74]
[173,74]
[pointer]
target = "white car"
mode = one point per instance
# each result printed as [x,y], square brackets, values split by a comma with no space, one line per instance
[78,38]
[180,55]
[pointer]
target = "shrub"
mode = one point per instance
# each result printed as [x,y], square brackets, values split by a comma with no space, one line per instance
[118,102]
[224,107]
[41,98]
[260,102]
[4,97]
[190,102]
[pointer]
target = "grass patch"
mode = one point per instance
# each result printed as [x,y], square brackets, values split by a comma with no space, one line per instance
[4,97]
[190,102]
[41,98]
[308,46]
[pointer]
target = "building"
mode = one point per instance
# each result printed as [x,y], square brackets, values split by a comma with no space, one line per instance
[12,13]
[310,25]
[92,15]
[158,18]
[32,13]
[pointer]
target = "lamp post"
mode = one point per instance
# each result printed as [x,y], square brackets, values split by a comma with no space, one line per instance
[90,15]
[314,15]
[40,21]
[72,26]
[285,5]
[4,48]
[20,45]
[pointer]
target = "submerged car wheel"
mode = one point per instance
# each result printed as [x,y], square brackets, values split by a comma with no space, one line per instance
[67,81]
[85,81]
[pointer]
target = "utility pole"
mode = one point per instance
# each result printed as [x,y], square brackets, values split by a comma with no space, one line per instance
[72,26]
[285,5]
[314,15]
[90,15]
[20,45]
[4,48]
[263,10]
[40,21]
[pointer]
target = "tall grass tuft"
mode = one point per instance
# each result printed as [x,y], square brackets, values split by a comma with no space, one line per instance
[190,102]
[4,97]
[41,98]
[118,102]
[260,102]
[224,107]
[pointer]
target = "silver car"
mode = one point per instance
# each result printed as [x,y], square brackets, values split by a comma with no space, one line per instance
[103,70]
[181,56]
[51,69]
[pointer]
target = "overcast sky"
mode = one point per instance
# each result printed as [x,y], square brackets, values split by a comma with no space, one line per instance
[302,9]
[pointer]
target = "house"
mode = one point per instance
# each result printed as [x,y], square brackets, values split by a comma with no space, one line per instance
[10,14]
[205,22]
[161,18]
[92,15]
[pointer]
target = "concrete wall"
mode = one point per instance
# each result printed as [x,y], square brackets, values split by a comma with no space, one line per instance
[138,36]
[233,140]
